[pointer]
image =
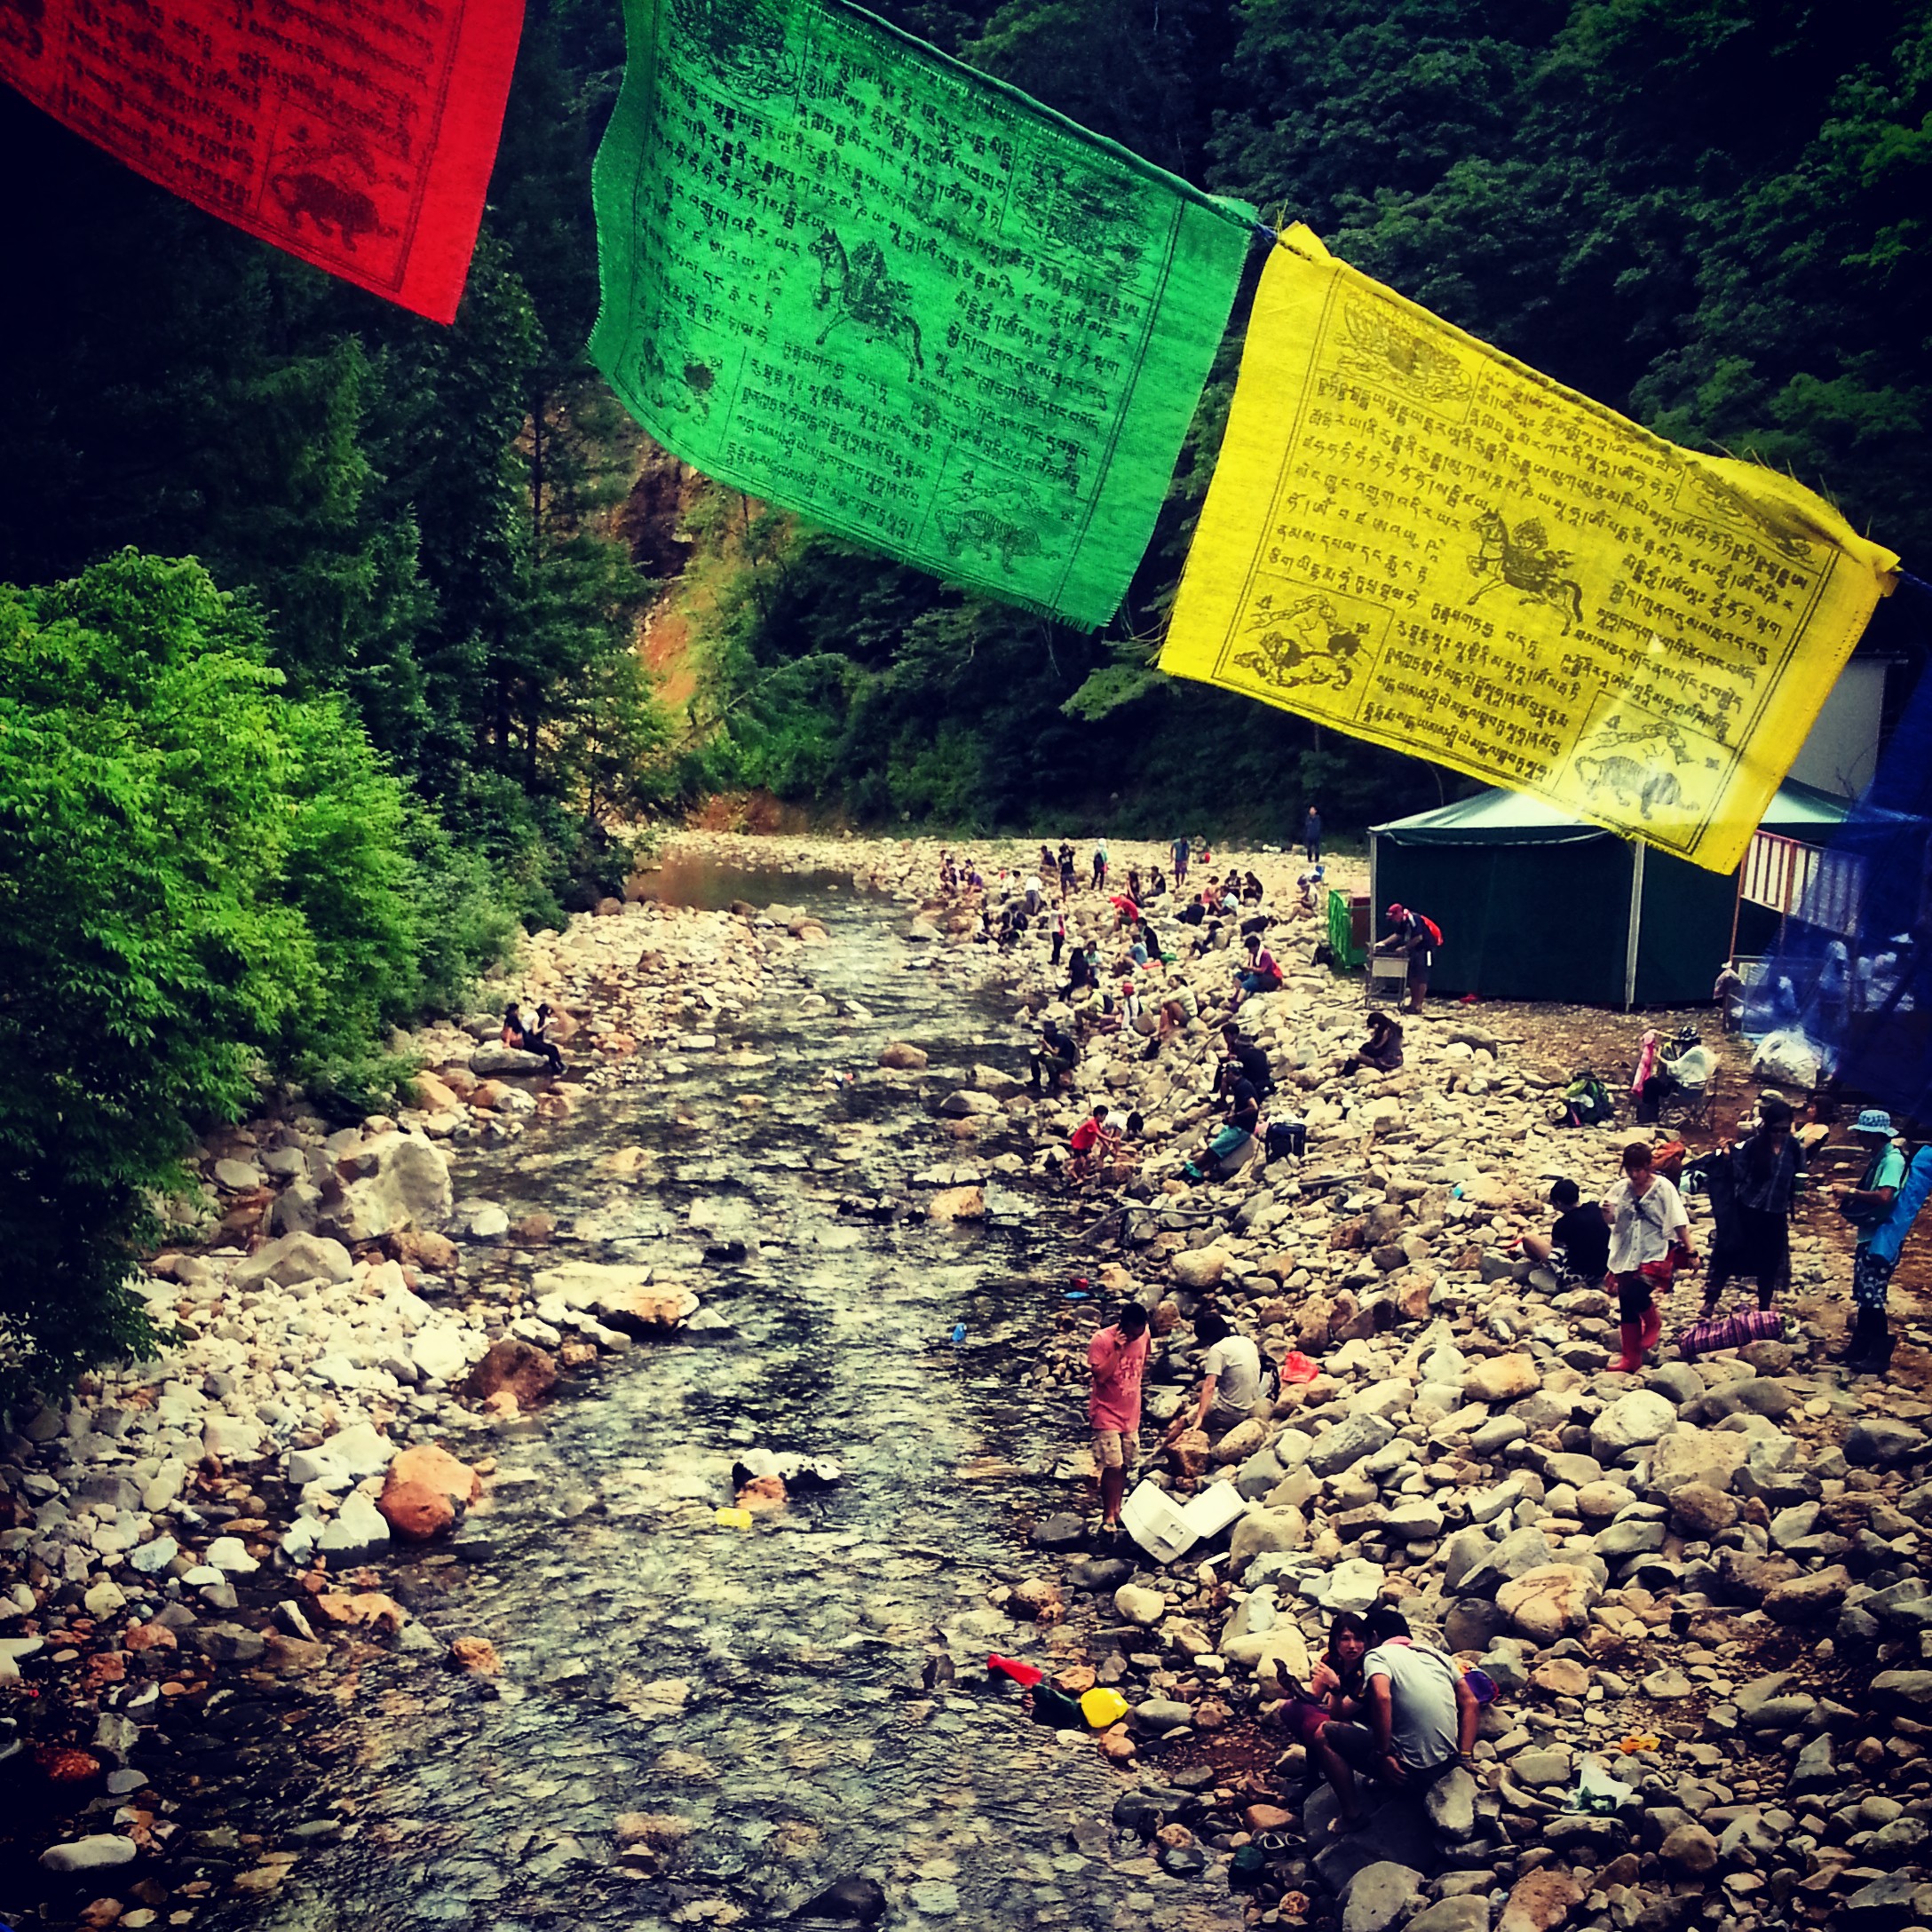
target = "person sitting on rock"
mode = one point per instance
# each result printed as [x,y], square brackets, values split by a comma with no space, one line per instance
[527,1036]
[1421,1718]
[1054,1057]
[1230,1380]
[1335,1688]
[1179,1007]
[1581,1233]
[1382,1050]
[1243,1059]
[1260,974]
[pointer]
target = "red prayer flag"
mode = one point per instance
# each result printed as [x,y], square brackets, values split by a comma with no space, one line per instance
[356,134]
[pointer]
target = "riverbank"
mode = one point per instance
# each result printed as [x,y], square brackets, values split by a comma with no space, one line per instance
[1460,1398]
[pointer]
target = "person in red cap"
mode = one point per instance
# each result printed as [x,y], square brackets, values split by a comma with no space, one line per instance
[1418,936]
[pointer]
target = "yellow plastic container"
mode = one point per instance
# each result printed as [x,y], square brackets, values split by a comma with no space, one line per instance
[1101,1707]
[733,1519]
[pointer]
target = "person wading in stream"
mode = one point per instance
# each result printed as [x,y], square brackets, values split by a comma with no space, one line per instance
[1116,1359]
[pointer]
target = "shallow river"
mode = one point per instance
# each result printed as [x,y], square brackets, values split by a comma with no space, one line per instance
[763,1685]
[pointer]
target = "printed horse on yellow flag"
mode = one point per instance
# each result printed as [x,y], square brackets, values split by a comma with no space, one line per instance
[1418,540]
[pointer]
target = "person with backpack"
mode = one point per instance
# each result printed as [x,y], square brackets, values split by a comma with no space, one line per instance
[1417,936]
[1242,1058]
[1231,1379]
[1754,1187]
[1883,1206]
[1649,1239]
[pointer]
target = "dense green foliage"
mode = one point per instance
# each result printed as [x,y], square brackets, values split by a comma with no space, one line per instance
[1710,214]
[203,882]
[258,805]
[261,804]
[417,511]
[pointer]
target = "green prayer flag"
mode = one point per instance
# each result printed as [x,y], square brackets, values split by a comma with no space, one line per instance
[849,275]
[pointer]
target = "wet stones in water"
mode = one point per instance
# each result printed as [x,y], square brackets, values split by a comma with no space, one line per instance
[1061,1530]
[852,1900]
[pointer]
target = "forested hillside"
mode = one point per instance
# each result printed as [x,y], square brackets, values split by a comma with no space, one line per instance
[318,642]
[1707,213]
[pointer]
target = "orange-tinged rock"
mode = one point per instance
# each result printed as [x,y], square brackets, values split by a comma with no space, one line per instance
[415,1511]
[437,1095]
[364,1608]
[477,1655]
[151,1636]
[515,1368]
[763,1494]
[430,1463]
[424,1248]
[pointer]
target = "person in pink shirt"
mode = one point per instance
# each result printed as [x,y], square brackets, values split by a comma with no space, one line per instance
[1117,1358]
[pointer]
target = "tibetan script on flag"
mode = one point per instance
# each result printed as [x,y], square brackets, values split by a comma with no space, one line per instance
[355,134]
[850,276]
[1420,542]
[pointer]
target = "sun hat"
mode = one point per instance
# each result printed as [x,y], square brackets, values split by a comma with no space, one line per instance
[1873,1121]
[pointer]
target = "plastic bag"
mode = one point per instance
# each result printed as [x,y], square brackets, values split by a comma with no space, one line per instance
[1598,1792]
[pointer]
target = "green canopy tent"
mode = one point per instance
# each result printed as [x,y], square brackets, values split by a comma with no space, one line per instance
[1537,905]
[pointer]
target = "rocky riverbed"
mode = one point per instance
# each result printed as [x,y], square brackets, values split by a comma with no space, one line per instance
[348,1600]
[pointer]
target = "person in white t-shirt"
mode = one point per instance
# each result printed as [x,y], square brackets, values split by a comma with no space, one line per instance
[1231,1379]
[1649,1240]
[1422,1716]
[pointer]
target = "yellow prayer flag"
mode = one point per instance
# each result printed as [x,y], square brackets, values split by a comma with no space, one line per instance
[1420,542]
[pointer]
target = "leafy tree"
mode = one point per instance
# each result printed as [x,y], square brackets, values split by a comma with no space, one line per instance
[203,883]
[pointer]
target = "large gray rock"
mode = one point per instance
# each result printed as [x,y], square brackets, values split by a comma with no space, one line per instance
[1345,1444]
[390,1182]
[92,1854]
[1882,1442]
[1265,1531]
[1468,1913]
[494,1058]
[1379,1895]
[1518,1553]
[1697,1455]
[355,1534]
[1158,1714]
[1451,1803]
[1631,1421]
[295,1257]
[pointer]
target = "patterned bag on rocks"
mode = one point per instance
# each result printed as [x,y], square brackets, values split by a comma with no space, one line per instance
[1731,1331]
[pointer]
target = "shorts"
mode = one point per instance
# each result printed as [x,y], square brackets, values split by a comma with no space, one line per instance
[1355,1745]
[1117,1448]
[1870,1279]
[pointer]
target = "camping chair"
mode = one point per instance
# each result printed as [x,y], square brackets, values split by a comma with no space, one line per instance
[1700,1106]
[1387,979]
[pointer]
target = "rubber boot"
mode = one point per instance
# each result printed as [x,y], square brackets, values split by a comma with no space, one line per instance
[1631,1335]
[1653,1327]
[1858,1342]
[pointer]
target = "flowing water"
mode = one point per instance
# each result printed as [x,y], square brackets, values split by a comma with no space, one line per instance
[763,1686]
